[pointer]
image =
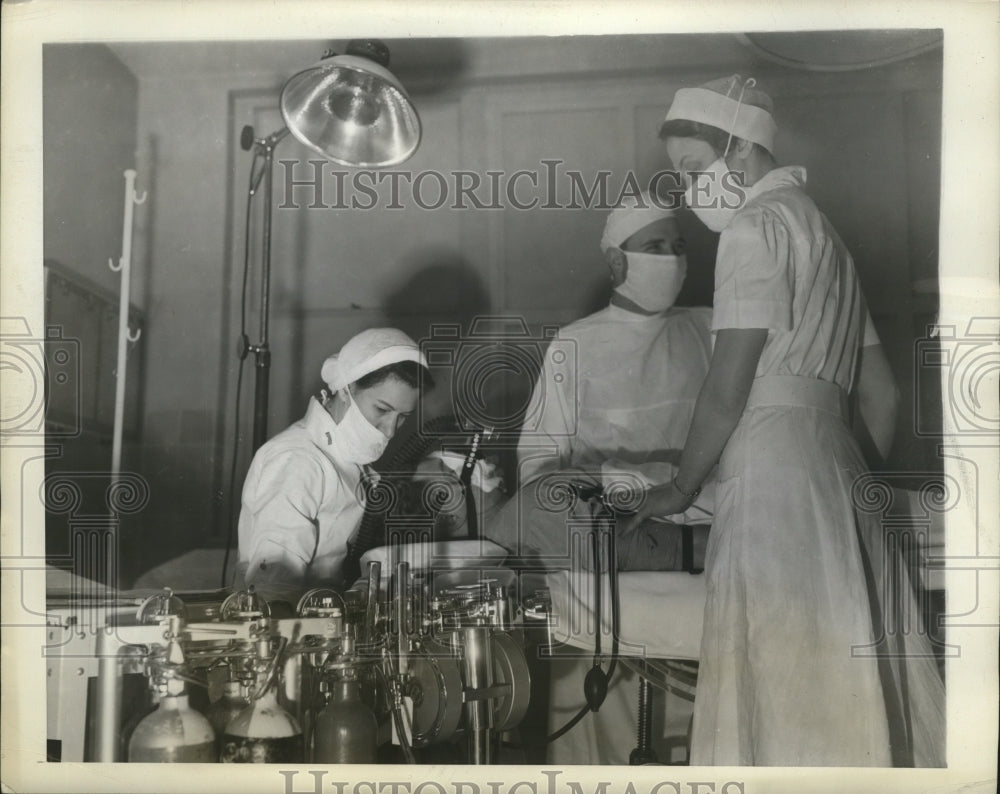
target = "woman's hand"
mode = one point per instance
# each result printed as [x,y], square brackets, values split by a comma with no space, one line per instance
[660,500]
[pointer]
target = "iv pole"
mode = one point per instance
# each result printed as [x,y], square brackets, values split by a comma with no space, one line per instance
[125,334]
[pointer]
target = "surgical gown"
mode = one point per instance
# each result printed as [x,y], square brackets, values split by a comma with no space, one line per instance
[302,503]
[615,398]
[619,386]
[799,664]
[613,404]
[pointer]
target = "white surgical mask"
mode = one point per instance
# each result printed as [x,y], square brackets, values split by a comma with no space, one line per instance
[356,439]
[653,280]
[715,196]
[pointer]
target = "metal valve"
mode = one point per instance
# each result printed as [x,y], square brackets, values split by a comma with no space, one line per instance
[245,605]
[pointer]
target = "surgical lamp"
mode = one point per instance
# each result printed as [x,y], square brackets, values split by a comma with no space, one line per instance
[351,110]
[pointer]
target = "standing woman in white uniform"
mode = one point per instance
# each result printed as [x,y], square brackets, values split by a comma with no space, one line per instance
[304,495]
[795,667]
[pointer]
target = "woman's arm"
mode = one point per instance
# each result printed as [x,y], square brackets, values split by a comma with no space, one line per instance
[281,507]
[878,397]
[720,404]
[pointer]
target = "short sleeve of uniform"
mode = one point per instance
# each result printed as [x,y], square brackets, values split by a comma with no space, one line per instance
[870,333]
[754,278]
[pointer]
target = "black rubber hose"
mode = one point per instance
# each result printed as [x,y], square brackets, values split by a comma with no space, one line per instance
[233,516]
[615,623]
[372,533]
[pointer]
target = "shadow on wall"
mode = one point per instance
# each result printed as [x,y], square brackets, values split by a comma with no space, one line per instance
[441,288]
[597,298]
[702,246]
[442,291]
[485,365]
[430,66]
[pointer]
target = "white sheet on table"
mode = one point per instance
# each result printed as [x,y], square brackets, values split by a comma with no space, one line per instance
[660,615]
[445,555]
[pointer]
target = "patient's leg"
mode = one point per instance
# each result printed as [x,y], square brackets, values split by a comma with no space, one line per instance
[531,524]
[659,546]
[535,522]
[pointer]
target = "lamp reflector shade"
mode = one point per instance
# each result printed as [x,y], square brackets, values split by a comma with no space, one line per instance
[353,111]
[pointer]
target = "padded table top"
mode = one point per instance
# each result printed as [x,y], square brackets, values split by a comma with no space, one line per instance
[661,613]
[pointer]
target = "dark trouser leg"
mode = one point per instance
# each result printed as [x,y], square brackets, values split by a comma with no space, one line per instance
[535,523]
[660,546]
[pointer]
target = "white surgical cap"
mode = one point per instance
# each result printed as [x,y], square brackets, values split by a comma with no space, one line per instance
[716,103]
[368,351]
[632,214]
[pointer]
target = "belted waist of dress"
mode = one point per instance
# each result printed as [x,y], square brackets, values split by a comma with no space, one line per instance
[798,391]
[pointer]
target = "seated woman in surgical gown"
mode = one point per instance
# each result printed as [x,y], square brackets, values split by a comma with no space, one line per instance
[615,398]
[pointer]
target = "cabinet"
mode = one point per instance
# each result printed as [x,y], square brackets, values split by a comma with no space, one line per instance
[81,319]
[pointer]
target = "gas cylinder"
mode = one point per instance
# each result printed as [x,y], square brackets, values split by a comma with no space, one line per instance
[346,729]
[146,704]
[173,733]
[231,703]
[263,733]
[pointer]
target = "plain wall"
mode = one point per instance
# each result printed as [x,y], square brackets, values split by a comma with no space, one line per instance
[90,112]
[90,115]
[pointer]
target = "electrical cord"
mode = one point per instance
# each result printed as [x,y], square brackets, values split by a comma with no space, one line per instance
[595,685]
[590,686]
[570,724]
[233,516]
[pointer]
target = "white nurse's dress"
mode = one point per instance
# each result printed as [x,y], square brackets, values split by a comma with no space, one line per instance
[795,668]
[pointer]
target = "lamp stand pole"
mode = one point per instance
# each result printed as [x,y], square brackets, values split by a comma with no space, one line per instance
[262,351]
